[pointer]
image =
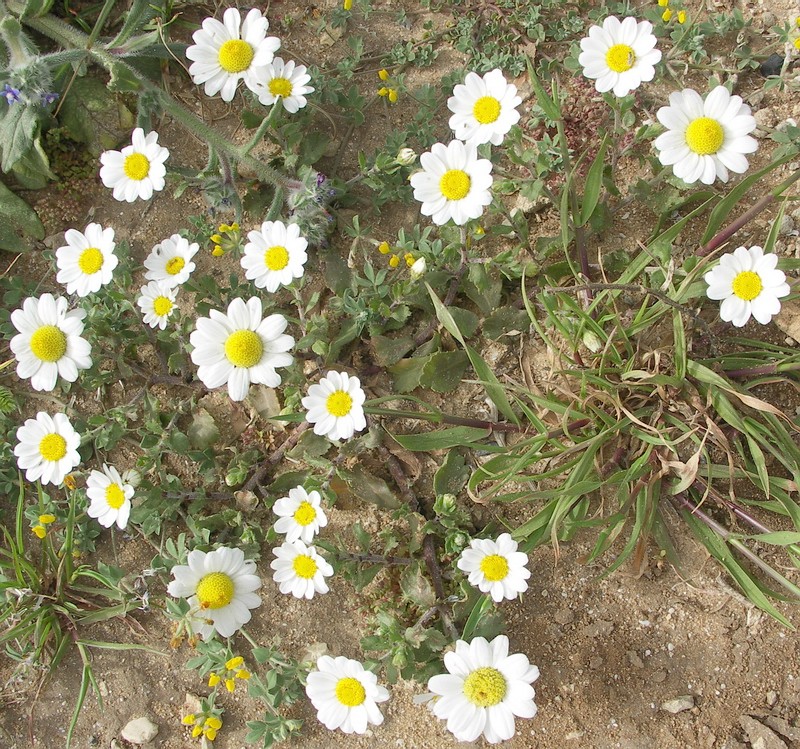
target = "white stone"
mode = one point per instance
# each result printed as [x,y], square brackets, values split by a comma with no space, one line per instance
[139,731]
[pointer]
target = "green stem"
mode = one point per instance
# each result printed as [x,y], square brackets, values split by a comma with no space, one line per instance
[265,125]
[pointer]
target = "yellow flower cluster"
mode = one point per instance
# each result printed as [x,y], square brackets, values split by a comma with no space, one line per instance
[208,726]
[228,237]
[666,16]
[40,530]
[233,670]
[389,93]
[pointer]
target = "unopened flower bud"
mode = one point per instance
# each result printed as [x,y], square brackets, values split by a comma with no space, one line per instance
[418,269]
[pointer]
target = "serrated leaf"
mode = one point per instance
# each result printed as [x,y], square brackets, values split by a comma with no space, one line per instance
[452,474]
[443,371]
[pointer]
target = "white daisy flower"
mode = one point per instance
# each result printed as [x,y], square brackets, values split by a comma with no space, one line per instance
[485,689]
[496,567]
[285,81]
[47,448]
[300,515]
[300,570]
[748,283]
[170,261]
[49,341]
[240,348]
[229,51]
[345,694]
[275,255]
[619,55]
[705,139]
[484,109]
[137,170]
[157,302]
[220,587]
[110,497]
[454,183]
[335,406]
[87,261]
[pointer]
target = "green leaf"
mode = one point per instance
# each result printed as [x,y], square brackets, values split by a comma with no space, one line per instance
[594,181]
[18,221]
[203,431]
[407,373]
[452,475]
[389,351]
[416,587]
[443,439]
[369,488]
[19,126]
[93,115]
[123,79]
[484,287]
[548,104]
[778,538]
[443,371]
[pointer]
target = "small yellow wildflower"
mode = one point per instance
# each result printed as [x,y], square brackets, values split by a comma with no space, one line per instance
[666,15]
[189,720]
[480,231]
[392,95]
[47,519]
[663,3]
[213,722]
[394,261]
[384,248]
[230,685]
[233,663]
[383,74]
[348,5]
[213,680]
[217,251]
[681,16]
[797,43]
[196,731]
[216,238]
[39,531]
[383,91]
[243,673]
[797,21]
[409,258]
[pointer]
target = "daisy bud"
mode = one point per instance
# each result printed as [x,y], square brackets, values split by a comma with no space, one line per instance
[418,269]
[406,157]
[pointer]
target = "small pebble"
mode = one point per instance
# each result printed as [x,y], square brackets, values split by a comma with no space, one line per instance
[139,731]
[679,704]
[772,65]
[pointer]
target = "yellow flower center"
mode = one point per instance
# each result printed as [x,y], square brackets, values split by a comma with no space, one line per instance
[244,348]
[276,258]
[304,566]
[90,261]
[494,567]
[455,184]
[350,692]
[235,56]
[136,166]
[704,136]
[174,265]
[280,87]
[485,687]
[53,447]
[215,590]
[620,58]
[162,306]
[305,514]
[486,110]
[115,497]
[747,285]
[49,343]
[339,403]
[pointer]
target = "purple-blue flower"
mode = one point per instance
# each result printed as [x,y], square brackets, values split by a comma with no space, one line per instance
[11,94]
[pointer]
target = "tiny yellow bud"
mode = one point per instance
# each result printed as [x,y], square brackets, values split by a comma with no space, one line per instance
[480,231]
[213,722]
[230,684]
[216,238]
[666,15]
[189,720]
[384,248]
[69,481]
[47,519]
[797,43]
[39,530]
[233,663]
[797,21]
[383,91]
[213,680]
[243,673]
[663,3]
[234,227]
[348,4]
[681,16]
[210,734]
[394,261]
[217,251]
[409,258]
[383,74]
[392,95]
[196,731]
